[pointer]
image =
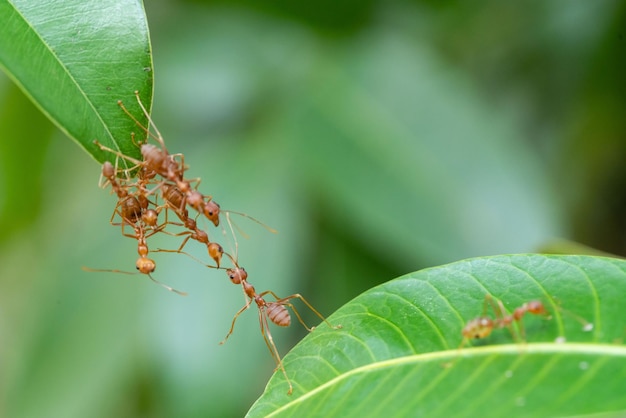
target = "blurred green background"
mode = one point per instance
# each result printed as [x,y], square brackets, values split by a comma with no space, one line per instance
[379,138]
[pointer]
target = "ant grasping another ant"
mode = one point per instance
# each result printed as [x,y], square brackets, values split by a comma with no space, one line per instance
[160,161]
[174,198]
[131,207]
[134,210]
[275,311]
[143,264]
[482,326]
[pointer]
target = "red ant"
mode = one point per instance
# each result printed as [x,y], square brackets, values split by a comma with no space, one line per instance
[482,326]
[275,311]
[161,162]
[143,264]
[174,199]
[131,207]
[134,210]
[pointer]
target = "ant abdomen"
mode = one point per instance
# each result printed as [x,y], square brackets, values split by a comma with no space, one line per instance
[278,314]
[131,209]
[154,156]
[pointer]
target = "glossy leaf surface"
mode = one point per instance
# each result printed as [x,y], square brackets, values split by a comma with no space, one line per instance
[75,59]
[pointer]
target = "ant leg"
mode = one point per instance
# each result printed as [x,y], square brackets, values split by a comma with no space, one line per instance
[182,245]
[503,320]
[522,331]
[119,154]
[245,215]
[197,260]
[139,124]
[269,341]
[284,301]
[158,137]
[232,234]
[232,326]
[171,289]
[497,308]
[183,167]
[89,269]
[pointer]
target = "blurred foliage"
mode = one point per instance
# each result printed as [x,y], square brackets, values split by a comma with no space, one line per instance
[378,138]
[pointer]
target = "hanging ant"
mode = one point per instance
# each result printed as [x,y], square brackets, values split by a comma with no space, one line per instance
[166,165]
[134,210]
[154,162]
[174,199]
[131,207]
[144,265]
[275,311]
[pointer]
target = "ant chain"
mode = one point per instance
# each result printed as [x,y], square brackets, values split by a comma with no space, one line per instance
[161,187]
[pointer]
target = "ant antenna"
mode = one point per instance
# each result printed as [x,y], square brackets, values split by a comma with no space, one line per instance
[171,289]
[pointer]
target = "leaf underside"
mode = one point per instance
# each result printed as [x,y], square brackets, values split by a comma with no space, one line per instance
[397,353]
[75,59]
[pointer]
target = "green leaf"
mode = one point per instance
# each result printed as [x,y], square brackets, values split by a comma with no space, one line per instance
[75,59]
[397,353]
[24,124]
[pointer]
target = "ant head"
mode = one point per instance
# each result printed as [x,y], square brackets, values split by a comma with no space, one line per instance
[212,211]
[237,275]
[145,265]
[131,209]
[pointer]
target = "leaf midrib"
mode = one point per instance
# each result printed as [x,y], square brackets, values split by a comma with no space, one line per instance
[451,355]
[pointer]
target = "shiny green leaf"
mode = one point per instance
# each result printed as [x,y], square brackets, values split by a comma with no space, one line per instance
[75,59]
[397,353]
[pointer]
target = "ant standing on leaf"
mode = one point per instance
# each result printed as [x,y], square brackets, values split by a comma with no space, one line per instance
[482,326]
